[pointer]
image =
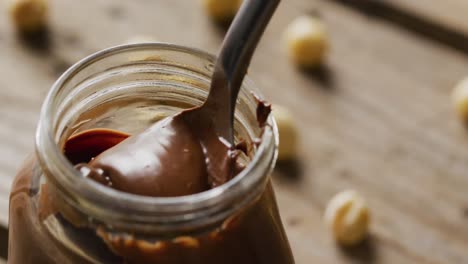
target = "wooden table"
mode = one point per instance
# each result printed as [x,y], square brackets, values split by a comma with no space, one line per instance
[377,117]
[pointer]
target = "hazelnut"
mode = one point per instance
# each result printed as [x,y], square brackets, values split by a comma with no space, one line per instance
[287,133]
[29,15]
[307,41]
[222,10]
[187,241]
[141,39]
[347,216]
[460,99]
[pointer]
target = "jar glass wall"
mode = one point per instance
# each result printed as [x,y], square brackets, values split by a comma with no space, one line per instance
[57,216]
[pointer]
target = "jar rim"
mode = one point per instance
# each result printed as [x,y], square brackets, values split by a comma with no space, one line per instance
[54,161]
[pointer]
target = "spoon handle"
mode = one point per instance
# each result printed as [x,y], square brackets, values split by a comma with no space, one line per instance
[233,60]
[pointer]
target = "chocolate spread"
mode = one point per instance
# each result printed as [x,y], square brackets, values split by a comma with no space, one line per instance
[167,159]
[176,156]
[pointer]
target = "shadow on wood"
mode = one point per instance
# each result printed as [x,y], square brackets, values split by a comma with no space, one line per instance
[39,41]
[322,74]
[221,27]
[465,212]
[364,252]
[290,170]
[412,22]
[3,242]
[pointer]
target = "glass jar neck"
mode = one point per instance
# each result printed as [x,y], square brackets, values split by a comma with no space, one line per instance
[167,74]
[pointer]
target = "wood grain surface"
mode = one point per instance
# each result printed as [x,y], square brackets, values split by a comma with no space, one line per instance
[449,13]
[422,18]
[377,117]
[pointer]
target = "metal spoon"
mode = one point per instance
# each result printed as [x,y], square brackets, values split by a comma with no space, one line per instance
[233,60]
[232,63]
[192,151]
[213,122]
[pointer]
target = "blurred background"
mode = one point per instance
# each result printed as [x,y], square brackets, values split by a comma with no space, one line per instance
[375,116]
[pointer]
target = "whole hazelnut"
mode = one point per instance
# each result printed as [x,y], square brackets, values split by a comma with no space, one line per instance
[347,216]
[222,10]
[287,133]
[29,15]
[460,99]
[307,41]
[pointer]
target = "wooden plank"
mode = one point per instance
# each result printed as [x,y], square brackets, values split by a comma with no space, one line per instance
[378,118]
[420,18]
[449,13]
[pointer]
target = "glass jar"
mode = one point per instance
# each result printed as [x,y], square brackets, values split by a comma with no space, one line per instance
[58,216]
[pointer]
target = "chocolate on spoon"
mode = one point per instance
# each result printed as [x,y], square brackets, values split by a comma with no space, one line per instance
[194,150]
